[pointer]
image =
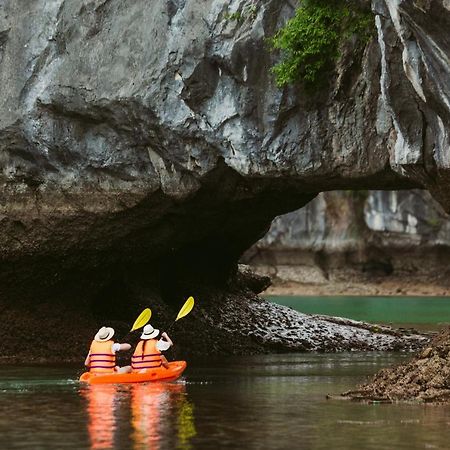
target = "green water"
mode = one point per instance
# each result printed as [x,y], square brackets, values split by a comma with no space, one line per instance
[263,402]
[422,311]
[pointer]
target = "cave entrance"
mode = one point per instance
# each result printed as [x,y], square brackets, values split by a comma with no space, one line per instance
[110,305]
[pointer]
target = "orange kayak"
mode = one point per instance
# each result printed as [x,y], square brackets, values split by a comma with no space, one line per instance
[176,368]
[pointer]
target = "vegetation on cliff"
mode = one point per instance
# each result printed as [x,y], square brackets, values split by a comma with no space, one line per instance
[310,42]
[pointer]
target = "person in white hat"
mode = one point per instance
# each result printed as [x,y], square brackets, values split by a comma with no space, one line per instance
[147,354]
[102,354]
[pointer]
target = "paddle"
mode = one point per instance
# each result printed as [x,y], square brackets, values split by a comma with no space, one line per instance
[184,311]
[142,320]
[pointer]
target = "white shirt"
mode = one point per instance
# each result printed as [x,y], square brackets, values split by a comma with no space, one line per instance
[115,347]
[162,345]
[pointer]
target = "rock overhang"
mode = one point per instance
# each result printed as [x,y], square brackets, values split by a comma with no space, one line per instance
[161,122]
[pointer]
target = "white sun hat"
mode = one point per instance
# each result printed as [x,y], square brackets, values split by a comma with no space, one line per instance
[104,334]
[149,332]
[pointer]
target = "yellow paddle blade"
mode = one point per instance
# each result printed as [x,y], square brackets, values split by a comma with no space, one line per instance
[186,309]
[143,318]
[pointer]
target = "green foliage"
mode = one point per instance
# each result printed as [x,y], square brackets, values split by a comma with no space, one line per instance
[310,41]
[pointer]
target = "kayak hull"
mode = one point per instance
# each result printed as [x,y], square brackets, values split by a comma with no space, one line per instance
[176,368]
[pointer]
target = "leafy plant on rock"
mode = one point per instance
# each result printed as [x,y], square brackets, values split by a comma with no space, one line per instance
[311,40]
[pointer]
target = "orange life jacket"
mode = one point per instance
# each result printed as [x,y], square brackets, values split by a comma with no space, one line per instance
[146,355]
[101,357]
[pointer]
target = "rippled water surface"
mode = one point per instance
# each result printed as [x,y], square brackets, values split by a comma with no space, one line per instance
[264,402]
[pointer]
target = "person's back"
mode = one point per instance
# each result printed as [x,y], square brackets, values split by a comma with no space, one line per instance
[101,357]
[102,353]
[147,354]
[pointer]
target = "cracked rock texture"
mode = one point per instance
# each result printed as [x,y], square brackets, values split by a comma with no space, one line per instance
[147,141]
[424,379]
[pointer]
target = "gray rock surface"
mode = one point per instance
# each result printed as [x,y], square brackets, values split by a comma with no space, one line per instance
[328,222]
[240,322]
[277,327]
[149,137]
[354,236]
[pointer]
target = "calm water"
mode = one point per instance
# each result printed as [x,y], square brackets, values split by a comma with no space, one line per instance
[265,402]
[421,312]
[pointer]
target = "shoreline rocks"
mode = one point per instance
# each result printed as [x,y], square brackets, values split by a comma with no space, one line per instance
[426,378]
[231,321]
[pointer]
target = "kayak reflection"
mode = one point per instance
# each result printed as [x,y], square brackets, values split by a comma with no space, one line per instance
[186,426]
[161,415]
[157,408]
[101,409]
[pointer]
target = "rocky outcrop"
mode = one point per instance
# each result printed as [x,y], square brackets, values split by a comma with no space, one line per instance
[147,140]
[227,321]
[368,242]
[240,322]
[424,379]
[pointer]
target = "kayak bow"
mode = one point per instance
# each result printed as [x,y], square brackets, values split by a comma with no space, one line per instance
[176,368]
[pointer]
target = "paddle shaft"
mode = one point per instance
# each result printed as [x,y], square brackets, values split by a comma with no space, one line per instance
[171,325]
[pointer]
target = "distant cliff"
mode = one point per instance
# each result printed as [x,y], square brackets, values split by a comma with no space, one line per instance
[367,241]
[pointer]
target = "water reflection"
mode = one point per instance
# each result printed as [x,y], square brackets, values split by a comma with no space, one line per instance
[101,402]
[257,402]
[153,407]
[159,413]
[186,426]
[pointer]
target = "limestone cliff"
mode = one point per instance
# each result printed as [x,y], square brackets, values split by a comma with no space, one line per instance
[147,140]
[367,242]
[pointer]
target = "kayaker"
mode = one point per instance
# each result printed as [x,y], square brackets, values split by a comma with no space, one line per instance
[102,354]
[147,354]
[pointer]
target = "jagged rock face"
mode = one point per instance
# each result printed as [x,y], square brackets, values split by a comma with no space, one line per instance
[151,135]
[126,132]
[408,214]
[415,89]
[111,107]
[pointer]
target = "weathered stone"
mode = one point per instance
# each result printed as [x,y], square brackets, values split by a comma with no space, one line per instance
[148,141]
[378,242]
[425,378]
